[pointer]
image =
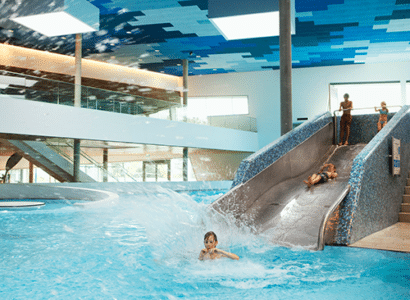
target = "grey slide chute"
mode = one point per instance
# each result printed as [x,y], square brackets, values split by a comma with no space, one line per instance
[276,202]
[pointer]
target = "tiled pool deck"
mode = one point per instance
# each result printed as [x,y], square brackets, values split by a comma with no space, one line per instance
[393,238]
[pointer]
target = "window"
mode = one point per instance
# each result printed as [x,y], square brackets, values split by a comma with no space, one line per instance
[203,107]
[366,96]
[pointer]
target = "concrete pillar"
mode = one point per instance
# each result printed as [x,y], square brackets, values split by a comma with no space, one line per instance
[285,48]
[185,164]
[185,103]
[30,172]
[77,156]
[77,78]
[77,101]
[173,113]
[105,164]
[185,81]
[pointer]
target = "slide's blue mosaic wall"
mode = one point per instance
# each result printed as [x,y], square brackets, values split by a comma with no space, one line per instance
[375,196]
[266,156]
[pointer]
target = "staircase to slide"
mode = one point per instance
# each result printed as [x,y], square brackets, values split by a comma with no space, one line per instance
[46,158]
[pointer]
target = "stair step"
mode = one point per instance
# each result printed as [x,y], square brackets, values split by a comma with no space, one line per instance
[407,190]
[406,198]
[408,182]
[405,207]
[404,217]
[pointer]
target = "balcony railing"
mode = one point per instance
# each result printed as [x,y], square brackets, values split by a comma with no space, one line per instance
[22,86]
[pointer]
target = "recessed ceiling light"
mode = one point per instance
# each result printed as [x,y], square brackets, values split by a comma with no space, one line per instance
[67,24]
[248,26]
[62,18]
[239,20]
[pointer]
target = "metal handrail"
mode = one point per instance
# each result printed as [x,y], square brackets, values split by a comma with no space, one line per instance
[322,227]
[363,108]
[90,159]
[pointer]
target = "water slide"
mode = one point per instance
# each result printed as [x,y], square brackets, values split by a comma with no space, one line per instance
[278,204]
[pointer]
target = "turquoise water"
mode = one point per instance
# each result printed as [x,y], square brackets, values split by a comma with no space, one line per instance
[146,247]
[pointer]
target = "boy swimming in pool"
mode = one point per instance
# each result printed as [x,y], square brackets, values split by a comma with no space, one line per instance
[210,251]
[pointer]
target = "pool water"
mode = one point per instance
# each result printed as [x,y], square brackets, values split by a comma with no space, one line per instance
[146,246]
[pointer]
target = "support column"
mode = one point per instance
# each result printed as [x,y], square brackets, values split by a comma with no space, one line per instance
[185,164]
[105,164]
[77,101]
[285,48]
[30,172]
[172,114]
[185,81]
[77,156]
[185,103]
[77,78]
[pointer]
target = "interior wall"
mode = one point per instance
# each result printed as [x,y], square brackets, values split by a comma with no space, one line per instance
[310,90]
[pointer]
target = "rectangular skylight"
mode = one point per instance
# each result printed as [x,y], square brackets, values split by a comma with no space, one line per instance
[54,24]
[248,26]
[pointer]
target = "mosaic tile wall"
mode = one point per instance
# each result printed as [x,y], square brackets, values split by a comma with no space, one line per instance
[157,34]
[375,197]
[363,128]
[270,153]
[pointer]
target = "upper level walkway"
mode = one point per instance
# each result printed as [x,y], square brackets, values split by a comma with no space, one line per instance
[35,107]
[23,118]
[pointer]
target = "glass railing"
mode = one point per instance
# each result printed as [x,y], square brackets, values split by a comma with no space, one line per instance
[34,88]
[66,150]
[22,86]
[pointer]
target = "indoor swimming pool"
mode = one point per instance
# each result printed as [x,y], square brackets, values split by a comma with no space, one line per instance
[146,246]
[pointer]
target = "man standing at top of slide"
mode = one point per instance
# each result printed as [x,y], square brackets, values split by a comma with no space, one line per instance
[346,119]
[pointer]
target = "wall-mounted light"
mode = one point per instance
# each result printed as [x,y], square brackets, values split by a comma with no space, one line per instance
[58,17]
[244,19]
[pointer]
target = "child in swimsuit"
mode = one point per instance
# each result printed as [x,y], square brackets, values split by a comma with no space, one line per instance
[383,116]
[322,176]
[210,251]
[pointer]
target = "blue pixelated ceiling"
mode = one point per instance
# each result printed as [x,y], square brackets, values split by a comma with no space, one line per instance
[157,34]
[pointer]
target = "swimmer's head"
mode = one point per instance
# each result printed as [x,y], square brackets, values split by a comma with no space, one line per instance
[383,103]
[210,240]
[210,233]
[346,96]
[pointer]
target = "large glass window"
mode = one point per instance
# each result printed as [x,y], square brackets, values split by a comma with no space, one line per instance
[203,107]
[366,96]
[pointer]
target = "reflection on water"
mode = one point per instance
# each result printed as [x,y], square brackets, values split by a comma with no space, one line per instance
[147,247]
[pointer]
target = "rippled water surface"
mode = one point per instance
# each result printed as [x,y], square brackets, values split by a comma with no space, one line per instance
[147,246]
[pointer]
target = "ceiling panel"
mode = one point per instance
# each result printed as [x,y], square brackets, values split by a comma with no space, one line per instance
[157,34]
